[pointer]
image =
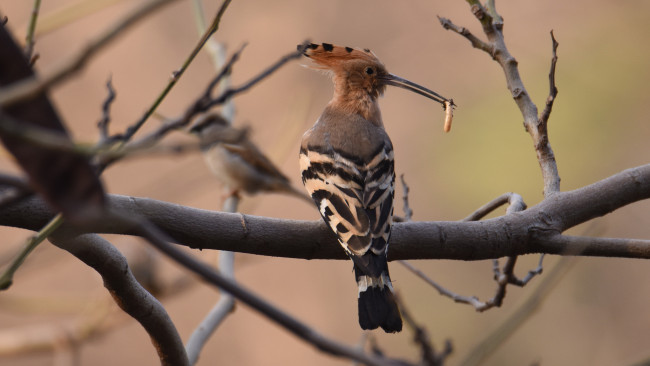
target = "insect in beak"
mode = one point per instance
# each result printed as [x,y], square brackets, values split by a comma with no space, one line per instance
[448,104]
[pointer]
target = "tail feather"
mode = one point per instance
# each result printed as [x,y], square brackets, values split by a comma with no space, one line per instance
[377,305]
[377,308]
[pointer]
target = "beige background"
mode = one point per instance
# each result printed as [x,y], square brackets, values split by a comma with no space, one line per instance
[598,315]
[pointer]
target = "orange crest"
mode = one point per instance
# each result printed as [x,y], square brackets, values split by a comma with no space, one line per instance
[331,57]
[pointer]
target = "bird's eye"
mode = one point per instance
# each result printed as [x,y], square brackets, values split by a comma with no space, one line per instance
[369,71]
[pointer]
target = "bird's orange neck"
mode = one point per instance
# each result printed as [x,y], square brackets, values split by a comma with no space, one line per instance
[356,100]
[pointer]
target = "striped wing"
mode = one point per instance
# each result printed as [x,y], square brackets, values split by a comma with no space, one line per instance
[356,200]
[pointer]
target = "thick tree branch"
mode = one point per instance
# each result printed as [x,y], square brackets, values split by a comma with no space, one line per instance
[104,258]
[535,230]
[286,320]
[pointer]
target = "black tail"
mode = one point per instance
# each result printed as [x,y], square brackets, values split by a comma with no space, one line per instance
[377,305]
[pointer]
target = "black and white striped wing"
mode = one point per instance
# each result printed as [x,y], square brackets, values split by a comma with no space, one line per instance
[355,199]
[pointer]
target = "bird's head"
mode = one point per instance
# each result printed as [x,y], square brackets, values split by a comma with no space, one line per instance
[212,128]
[356,69]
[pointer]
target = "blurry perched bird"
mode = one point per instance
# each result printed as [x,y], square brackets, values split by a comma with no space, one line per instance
[237,162]
[347,166]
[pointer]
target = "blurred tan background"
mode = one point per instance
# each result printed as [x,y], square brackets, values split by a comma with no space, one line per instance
[597,315]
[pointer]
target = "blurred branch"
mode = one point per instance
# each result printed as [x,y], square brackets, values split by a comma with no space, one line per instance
[104,258]
[217,52]
[535,230]
[29,38]
[494,339]
[226,262]
[106,112]
[32,86]
[7,277]
[94,317]
[178,73]
[207,101]
[536,126]
[69,13]
[514,199]
[17,189]
[43,337]
[223,307]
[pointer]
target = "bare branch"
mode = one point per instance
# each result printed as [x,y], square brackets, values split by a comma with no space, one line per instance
[32,86]
[206,101]
[512,278]
[178,73]
[515,201]
[492,25]
[475,41]
[106,112]
[535,230]
[196,108]
[495,338]
[127,292]
[546,113]
[29,38]
[470,300]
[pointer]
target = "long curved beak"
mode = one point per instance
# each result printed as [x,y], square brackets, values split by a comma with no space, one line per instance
[395,80]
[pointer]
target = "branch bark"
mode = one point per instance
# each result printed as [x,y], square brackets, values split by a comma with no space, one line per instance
[536,230]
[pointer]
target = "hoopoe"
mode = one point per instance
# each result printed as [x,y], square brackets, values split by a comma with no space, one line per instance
[346,161]
[236,162]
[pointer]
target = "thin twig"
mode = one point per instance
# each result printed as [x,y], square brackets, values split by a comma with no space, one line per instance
[543,119]
[494,339]
[226,261]
[470,300]
[196,108]
[29,87]
[217,52]
[69,13]
[408,212]
[178,73]
[229,93]
[106,112]
[206,101]
[490,206]
[502,277]
[19,190]
[475,41]
[6,279]
[29,38]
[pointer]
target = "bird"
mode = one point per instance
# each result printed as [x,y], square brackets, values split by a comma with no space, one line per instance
[236,162]
[347,167]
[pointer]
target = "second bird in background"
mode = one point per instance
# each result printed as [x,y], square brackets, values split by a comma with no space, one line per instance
[236,162]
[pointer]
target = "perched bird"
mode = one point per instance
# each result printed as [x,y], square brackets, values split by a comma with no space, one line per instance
[346,161]
[237,162]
